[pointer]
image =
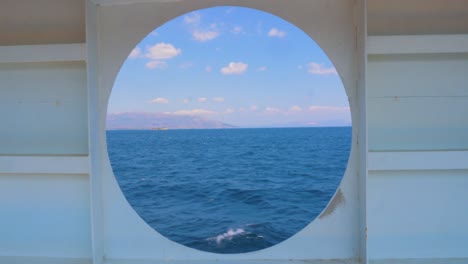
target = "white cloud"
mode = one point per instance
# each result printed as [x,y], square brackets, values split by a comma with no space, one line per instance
[186,65]
[218,99]
[259,27]
[162,51]
[262,69]
[192,18]
[186,100]
[319,69]
[317,108]
[193,112]
[136,52]
[272,110]
[202,99]
[229,111]
[156,65]
[208,69]
[160,100]
[295,108]
[230,10]
[203,36]
[274,32]
[237,30]
[253,108]
[234,68]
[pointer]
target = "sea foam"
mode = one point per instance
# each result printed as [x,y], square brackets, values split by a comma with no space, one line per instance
[228,235]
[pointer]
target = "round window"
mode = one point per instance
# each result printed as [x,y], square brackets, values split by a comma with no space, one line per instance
[228,130]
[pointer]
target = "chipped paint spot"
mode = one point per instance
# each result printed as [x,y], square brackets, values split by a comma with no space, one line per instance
[335,203]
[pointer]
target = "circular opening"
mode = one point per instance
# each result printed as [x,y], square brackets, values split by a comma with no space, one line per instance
[228,130]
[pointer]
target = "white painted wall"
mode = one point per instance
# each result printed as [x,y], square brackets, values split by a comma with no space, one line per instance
[44,215]
[43,108]
[418,104]
[418,214]
[417,110]
[125,235]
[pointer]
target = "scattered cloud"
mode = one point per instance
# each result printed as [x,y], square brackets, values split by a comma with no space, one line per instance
[295,108]
[253,108]
[193,112]
[206,35]
[259,28]
[317,108]
[272,110]
[136,52]
[186,65]
[320,69]
[218,99]
[202,99]
[160,100]
[234,68]
[274,32]
[192,18]
[156,65]
[230,10]
[162,51]
[186,100]
[262,69]
[208,69]
[199,33]
[229,111]
[237,30]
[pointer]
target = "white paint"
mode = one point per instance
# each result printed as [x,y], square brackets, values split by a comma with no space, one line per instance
[332,25]
[44,216]
[418,102]
[415,98]
[418,215]
[95,141]
[417,44]
[43,53]
[362,135]
[44,165]
[419,160]
[44,260]
[129,2]
[43,109]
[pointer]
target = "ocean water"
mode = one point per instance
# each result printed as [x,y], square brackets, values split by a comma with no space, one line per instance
[229,190]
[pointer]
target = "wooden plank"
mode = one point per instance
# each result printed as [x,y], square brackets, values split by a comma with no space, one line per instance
[43,53]
[417,44]
[420,160]
[44,165]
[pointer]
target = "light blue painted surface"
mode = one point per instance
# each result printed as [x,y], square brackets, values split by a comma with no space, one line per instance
[43,108]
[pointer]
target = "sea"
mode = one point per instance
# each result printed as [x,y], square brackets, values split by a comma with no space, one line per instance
[229,190]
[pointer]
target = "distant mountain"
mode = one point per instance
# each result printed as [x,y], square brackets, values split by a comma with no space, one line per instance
[142,120]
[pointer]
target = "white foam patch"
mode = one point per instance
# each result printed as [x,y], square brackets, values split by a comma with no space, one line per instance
[228,235]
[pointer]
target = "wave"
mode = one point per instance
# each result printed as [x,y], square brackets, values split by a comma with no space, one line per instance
[228,235]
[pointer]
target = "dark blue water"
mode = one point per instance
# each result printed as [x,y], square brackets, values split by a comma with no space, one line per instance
[230,190]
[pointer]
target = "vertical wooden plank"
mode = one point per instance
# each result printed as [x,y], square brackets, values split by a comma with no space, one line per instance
[92,40]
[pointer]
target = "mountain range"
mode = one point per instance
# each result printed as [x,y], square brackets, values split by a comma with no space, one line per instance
[143,120]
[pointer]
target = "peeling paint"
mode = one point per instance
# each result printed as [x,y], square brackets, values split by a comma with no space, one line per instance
[335,203]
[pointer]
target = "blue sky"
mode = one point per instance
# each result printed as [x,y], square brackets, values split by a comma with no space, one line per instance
[236,65]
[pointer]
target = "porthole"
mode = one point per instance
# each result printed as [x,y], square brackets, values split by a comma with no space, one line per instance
[228,129]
